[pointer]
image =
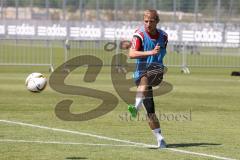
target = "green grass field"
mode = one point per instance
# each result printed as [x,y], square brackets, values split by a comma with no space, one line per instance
[200,117]
[213,128]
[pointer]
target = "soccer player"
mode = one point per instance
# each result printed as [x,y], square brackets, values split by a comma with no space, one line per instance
[148,48]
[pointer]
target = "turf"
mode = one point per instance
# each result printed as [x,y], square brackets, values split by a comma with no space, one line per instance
[207,101]
[201,114]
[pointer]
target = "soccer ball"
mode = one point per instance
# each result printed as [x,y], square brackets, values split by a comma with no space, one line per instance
[36,82]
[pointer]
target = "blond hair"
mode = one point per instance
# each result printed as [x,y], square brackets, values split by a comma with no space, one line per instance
[152,12]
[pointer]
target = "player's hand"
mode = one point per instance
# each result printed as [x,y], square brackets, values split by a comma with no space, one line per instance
[156,49]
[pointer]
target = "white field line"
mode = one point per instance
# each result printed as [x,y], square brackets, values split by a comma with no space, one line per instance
[65,143]
[74,132]
[113,139]
[200,154]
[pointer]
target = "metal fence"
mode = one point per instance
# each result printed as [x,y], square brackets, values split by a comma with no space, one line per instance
[189,44]
[202,33]
[182,56]
[19,52]
[186,55]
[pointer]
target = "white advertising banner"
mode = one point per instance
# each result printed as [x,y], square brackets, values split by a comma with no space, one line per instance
[2,29]
[196,34]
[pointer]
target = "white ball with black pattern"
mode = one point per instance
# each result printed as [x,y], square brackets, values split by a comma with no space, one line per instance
[36,82]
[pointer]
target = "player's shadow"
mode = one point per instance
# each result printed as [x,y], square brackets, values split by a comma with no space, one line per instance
[191,145]
[75,158]
[177,145]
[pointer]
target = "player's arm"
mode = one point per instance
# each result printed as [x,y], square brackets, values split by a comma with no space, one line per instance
[164,47]
[135,50]
[140,54]
[165,37]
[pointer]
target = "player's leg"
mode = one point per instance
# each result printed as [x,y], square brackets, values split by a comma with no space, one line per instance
[153,120]
[140,95]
